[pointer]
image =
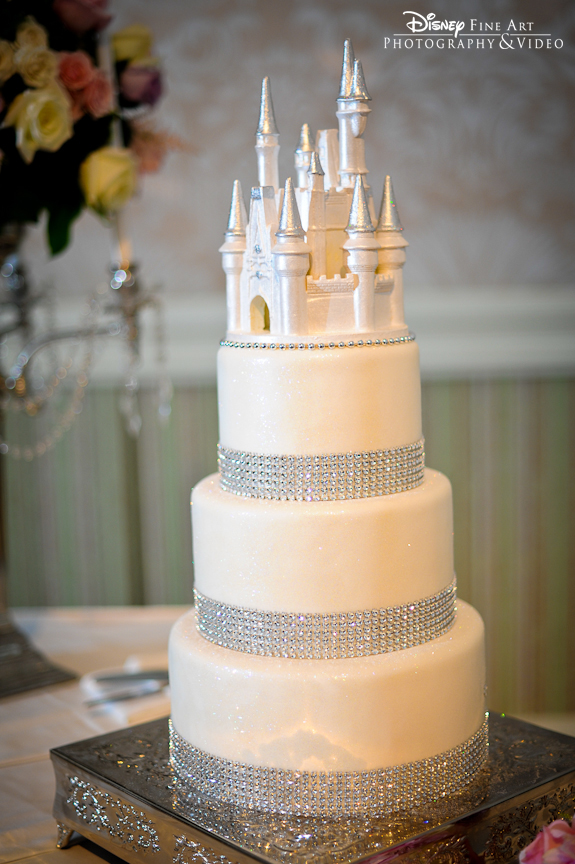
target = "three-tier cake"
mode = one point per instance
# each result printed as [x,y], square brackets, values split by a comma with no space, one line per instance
[327,667]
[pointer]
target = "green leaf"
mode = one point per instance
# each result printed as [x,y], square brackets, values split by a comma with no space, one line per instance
[60,220]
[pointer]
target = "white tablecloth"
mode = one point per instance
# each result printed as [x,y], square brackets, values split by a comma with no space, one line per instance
[82,640]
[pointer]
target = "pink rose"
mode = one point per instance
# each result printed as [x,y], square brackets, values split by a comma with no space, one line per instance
[141,84]
[77,106]
[76,70]
[98,95]
[555,844]
[82,15]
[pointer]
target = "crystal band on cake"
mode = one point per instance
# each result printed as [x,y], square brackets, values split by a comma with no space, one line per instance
[302,346]
[327,477]
[338,793]
[317,636]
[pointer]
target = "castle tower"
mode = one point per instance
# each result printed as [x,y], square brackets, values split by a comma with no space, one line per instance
[362,260]
[352,111]
[267,140]
[233,255]
[316,234]
[291,264]
[391,255]
[327,146]
[302,156]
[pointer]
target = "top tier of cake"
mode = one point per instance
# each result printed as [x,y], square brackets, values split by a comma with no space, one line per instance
[317,359]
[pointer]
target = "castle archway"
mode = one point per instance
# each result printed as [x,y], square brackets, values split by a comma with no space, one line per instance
[259,315]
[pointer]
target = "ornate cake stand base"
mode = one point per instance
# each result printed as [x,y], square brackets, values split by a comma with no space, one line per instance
[119,791]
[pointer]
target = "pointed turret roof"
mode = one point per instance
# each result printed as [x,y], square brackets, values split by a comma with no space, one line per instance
[238,216]
[315,165]
[305,143]
[358,89]
[388,214]
[359,218]
[267,123]
[346,70]
[290,223]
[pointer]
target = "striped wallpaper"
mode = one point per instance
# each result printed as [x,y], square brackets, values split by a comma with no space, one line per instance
[102,519]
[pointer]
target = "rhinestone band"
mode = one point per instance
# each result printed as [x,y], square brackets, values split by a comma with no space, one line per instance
[329,477]
[312,635]
[310,346]
[316,793]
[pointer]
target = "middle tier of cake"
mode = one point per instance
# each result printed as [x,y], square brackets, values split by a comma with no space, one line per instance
[323,556]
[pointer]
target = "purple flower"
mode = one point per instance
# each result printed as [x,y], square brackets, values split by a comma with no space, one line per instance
[141,84]
[82,15]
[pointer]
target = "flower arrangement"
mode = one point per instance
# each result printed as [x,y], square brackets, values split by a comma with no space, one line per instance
[73,134]
[555,844]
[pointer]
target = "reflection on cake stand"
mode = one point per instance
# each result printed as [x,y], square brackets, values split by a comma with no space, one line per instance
[119,791]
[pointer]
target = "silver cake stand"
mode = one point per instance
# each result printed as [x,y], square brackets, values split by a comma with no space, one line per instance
[118,790]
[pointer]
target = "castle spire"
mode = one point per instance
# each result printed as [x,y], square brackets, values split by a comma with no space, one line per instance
[388,214]
[358,89]
[302,156]
[267,140]
[362,258]
[316,229]
[315,165]
[352,111]
[267,123]
[290,222]
[392,252]
[291,264]
[346,70]
[238,216]
[233,256]
[359,218]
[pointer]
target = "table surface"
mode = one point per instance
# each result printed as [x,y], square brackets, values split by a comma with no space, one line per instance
[83,640]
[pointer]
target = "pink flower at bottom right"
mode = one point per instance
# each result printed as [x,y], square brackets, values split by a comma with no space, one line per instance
[555,844]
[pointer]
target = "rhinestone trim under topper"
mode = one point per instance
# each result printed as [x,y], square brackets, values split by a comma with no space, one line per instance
[337,793]
[320,346]
[329,477]
[320,637]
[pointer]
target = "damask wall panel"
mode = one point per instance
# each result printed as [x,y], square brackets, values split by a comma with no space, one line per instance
[478,140]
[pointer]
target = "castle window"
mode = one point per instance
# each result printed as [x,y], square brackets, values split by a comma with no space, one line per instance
[259,316]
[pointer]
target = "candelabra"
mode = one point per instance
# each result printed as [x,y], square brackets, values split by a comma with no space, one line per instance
[114,311]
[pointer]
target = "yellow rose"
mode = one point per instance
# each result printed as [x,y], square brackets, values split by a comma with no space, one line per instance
[37,66]
[132,43]
[108,179]
[7,67]
[31,34]
[42,119]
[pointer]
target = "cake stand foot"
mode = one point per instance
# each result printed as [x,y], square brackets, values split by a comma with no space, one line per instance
[64,835]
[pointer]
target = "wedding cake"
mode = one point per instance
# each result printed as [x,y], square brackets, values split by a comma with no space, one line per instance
[327,667]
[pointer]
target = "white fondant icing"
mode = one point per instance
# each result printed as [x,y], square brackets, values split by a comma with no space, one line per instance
[329,401]
[329,715]
[366,712]
[323,556]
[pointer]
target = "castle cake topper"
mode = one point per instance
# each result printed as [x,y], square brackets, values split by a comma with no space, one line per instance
[314,260]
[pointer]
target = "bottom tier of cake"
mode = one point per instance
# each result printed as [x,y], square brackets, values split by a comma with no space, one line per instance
[420,711]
